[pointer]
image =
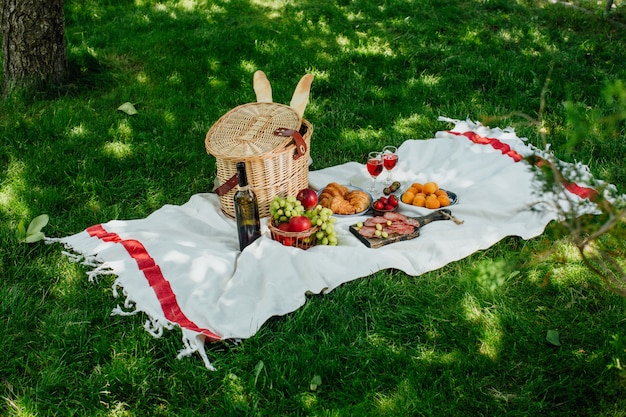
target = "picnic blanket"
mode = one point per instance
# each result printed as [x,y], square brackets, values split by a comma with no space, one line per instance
[181,266]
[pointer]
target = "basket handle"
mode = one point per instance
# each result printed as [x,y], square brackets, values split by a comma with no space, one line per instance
[227,186]
[300,143]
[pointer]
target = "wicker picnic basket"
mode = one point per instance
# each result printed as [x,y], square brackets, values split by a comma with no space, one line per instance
[273,142]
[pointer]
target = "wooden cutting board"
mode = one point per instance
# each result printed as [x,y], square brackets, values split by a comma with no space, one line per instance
[377,242]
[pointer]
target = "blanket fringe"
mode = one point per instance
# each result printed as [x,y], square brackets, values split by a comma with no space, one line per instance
[194,343]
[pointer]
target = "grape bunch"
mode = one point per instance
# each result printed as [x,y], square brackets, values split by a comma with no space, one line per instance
[323,217]
[282,209]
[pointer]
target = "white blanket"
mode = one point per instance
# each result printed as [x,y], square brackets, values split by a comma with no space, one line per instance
[181,265]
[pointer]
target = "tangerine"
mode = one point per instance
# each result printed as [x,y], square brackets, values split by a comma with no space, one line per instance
[440,192]
[418,187]
[419,200]
[432,203]
[407,197]
[430,188]
[444,200]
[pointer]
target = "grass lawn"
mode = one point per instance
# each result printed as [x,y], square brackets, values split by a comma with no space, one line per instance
[466,340]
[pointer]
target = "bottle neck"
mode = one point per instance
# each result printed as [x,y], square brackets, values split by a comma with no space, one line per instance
[242,176]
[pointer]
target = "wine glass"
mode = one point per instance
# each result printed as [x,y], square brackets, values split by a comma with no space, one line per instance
[390,159]
[374,167]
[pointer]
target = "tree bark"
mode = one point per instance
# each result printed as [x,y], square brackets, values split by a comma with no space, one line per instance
[33,43]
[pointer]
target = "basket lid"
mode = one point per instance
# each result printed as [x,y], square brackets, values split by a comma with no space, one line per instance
[248,130]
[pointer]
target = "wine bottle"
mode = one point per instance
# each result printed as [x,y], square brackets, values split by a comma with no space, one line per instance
[246,210]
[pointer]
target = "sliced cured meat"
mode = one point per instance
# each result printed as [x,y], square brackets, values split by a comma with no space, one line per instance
[367,231]
[373,221]
[400,228]
[412,222]
[394,216]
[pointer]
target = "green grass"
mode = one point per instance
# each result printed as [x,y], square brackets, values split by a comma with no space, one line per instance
[468,339]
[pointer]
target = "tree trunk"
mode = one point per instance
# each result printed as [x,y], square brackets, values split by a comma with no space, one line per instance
[33,43]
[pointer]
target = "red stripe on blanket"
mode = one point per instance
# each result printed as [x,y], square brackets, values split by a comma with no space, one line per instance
[155,278]
[495,143]
[582,192]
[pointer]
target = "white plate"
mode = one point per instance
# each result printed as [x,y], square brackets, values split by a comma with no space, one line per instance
[351,188]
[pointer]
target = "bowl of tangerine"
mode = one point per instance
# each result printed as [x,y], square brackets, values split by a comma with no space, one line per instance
[428,195]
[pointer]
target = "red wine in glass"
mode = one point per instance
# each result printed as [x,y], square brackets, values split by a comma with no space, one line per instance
[390,159]
[374,167]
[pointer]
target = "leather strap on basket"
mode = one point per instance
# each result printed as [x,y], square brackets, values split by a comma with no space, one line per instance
[297,137]
[227,186]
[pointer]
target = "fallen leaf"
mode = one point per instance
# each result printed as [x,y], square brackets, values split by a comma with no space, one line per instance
[37,224]
[315,382]
[128,108]
[552,336]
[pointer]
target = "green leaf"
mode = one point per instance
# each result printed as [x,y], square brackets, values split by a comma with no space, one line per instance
[552,336]
[37,224]
[315,382]
[128,108]
[257,370]
[35,237]
[21,232]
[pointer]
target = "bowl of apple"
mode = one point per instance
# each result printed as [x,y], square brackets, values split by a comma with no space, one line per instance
[296,233]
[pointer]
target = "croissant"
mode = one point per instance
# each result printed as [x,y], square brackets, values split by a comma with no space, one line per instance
[359,199]
[334,190]
[325,201]
[340,205]
[341,189]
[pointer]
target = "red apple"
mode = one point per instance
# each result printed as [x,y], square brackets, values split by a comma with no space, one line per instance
[299,224]
[284,240]
[308,198]
[283,226]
